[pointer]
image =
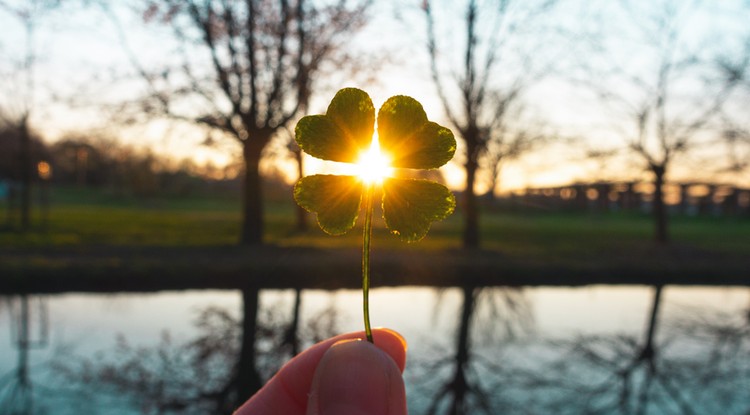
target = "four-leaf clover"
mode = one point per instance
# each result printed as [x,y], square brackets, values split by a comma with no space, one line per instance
[409,139]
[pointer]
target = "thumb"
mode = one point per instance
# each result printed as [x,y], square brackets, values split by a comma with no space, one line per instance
[355,377]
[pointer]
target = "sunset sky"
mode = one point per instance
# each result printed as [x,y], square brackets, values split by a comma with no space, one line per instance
[81,62]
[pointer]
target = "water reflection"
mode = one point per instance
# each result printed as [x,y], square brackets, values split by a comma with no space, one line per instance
[464,389]
[247,377]
[696,363]
[204,374]
[482,351]
[610,374]
[28,330]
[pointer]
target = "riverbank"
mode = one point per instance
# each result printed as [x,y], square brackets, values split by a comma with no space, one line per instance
[121,268]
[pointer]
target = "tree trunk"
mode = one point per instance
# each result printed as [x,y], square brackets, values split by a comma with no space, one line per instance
[26,174]
[252,196]
[248,378]
[301,225]
[471,211]
[659,207]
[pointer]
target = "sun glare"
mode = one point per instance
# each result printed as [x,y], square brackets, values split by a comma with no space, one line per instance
[373,166]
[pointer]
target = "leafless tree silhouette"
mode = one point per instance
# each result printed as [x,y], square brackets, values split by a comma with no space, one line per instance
[262,61]
[20,100]
[480,89]
[661,86]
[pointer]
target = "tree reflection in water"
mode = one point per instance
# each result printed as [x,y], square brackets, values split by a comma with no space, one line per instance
[499,314]
[693,362]
[199,376]
[699,364]
[29,330]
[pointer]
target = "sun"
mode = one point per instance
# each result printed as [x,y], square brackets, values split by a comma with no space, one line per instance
[373,166]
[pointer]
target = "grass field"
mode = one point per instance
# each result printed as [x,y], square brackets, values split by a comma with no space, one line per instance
[96,240]
[81,217]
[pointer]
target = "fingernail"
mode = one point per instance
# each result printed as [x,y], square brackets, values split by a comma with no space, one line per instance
[356,378]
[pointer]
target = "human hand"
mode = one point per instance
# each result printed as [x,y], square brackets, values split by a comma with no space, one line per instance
[341,375]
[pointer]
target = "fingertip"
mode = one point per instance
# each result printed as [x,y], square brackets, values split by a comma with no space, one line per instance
[395,335]
[393,343]
[357,377]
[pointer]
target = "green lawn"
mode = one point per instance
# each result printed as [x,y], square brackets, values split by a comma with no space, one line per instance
[86,217]
[80,217]
[98,241]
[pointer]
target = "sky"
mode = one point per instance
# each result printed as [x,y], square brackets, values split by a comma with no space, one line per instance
[79,51]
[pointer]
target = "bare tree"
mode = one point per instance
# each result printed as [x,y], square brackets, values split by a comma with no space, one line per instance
[244,70]
[660,86]
[262,59]
[16,114]
[497,66]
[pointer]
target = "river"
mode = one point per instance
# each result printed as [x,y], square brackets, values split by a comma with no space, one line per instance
[593,349]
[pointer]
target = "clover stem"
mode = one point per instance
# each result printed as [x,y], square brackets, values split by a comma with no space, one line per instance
[366,260]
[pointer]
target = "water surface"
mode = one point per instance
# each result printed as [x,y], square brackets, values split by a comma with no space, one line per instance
[524,345]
